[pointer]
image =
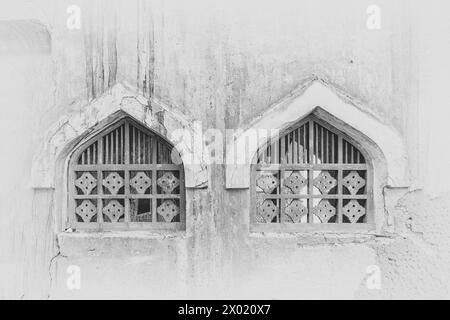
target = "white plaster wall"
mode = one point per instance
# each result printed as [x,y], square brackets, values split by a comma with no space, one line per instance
[224,63]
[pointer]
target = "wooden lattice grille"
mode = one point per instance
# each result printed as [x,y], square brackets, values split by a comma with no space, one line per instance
[125,178]
[311,175]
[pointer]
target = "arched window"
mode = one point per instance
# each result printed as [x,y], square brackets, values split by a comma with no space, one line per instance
[125,178]
[312,176]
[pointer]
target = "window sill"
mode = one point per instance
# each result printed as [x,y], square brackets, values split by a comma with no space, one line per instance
[317,228]
[311,235]
[118,244]
[123,234]
[160,227]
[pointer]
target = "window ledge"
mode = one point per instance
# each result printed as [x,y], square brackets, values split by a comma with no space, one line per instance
[129,234]
[318,236]
[318,228]
[119,244]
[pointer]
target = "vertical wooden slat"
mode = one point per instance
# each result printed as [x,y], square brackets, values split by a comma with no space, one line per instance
[267,155]
[329,146]
[117,146]
[106,147]
[131,144]
[316,144]
[283,150]
[111,150]
[322,151]
[122,145]
[301,149]
[306,146]
[168,151]
[274,153]
[145,149]
[295,157]
[135,158]
[138,134]
[89,155]
[345,151]
[142,148]
[333,137]
[95,153]
[352,152]
[150,155]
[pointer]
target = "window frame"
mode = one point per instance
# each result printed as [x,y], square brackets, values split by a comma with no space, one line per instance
[73,166]
[281,227]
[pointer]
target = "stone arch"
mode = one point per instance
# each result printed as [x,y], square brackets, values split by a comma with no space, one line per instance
[382,144]
[49,170]
[319,98]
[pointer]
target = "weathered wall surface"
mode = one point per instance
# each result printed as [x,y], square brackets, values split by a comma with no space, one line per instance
[224,63]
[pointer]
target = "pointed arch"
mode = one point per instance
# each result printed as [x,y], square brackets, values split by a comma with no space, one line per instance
[311,176]
[382,146]
[126,176]
[50,163]
[70,129]
[383,143]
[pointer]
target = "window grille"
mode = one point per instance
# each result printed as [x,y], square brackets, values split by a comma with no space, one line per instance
[311,176]
[124,178]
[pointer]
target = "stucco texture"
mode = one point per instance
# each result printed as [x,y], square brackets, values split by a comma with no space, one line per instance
[224,63]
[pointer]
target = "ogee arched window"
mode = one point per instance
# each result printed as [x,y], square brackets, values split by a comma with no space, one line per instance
[312,176]
[125,178]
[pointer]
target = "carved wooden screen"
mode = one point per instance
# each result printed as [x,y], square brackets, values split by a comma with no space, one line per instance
[124,178]
[312,177]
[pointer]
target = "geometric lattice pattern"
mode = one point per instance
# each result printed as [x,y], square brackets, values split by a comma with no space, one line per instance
[267,182]
[125,178]
[267,211]
[353,182]
[294,212]
[325,182]
[86,210]
[141,182]
[168,182]
[168,210]
[324,211]
[296,182]
[113,182]
[86,182]
[322,174]
[354,211]
[113,210]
